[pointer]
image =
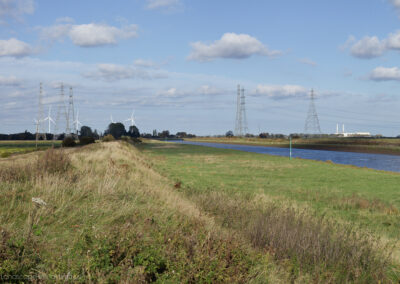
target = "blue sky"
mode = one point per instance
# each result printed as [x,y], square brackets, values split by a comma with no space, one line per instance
[177,63]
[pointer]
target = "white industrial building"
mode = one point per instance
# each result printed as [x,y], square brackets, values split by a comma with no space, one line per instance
[349,134]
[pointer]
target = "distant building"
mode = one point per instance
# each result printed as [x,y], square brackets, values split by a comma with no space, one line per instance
[348,134]
[356,134]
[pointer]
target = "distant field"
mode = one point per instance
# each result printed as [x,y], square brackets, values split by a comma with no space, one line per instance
[8,148]
[361,145]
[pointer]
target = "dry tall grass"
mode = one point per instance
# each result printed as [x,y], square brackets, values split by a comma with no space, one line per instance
[108,217]
[330,251]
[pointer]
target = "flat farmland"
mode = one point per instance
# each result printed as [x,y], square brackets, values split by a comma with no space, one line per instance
[8,148]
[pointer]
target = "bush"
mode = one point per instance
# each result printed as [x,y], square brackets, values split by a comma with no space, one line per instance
[68,141]
[131,140]
[86,140]
[53,161]
[108,138]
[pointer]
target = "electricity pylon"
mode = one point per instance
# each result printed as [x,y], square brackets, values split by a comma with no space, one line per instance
[312,122]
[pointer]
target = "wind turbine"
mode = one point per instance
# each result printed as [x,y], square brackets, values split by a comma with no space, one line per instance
[49,119]
[77,122]
[131,119]
[112,120]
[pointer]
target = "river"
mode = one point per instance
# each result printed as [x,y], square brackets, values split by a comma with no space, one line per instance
[373,161]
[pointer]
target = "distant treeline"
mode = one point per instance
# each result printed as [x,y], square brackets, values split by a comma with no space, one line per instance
[28,136]
[86,131]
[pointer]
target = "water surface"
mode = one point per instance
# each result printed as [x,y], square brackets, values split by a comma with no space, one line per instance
[373,161]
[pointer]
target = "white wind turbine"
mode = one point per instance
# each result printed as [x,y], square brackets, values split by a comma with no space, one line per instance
[49,119]
[131,119]
[77,122]
[112,120]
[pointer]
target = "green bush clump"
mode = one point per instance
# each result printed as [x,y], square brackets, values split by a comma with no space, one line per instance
[86,140]
[108,138]
[68,141]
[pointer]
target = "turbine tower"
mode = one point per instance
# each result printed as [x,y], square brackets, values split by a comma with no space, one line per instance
[132,119]
[241,118]
[48,118]
[312,122]
[40,131]
[111,119]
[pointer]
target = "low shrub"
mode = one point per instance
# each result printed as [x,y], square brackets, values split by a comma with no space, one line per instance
[68,141]
[86,140]
[108,138]
[330,251]
[53,161]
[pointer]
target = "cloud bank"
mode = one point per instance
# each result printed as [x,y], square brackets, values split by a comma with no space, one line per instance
[281,91]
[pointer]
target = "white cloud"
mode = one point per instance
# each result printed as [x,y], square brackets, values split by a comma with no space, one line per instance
[395,3]
[231,45]
[281,91]
[14,48]
[308,61]
[367,47]
[371,47]
[89,35]
[111,72]
[15,8]
[9,81]
[145,63]
[115,72]
[385,74]
[162,4]
[56,32]
[393,40]
[209,90]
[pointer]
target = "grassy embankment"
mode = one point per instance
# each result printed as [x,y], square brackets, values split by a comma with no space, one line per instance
[109,217]
[361,145]
[8,148]
[212,216]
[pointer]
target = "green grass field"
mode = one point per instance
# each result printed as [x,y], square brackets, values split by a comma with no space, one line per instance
[368,197]
[8,148]
[368,200]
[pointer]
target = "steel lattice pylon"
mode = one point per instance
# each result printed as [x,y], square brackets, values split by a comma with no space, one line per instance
[312,121]
[40,131]
[241,118]
[62,116]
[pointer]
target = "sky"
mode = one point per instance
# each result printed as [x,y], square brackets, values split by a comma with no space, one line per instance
[177,63]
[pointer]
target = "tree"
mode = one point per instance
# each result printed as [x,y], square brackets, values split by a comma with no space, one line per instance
[181,134]
[86,131]
[134,131]
[229,133]
[164,134]
[116,129]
